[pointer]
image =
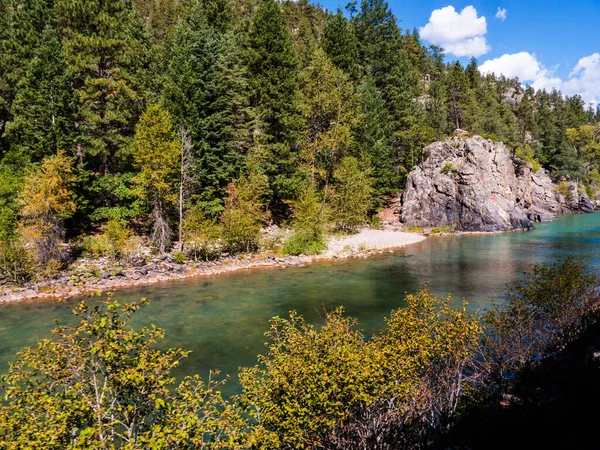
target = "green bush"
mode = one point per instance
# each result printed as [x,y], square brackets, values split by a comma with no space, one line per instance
[10,186]
[15,262]
[117,242]
[439,230]
[323,387]
[448,167]
[244,212]
[179,257]
[308,221]
[301,244]
[201,233]
[526,154]
[375,222]
[563,189]
[101,384]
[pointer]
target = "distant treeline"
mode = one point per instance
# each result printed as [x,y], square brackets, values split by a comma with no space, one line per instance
[153,112]
[432,368]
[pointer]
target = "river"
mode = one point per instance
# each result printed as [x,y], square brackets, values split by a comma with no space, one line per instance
[223,318]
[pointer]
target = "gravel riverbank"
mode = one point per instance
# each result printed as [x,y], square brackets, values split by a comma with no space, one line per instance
[89,276]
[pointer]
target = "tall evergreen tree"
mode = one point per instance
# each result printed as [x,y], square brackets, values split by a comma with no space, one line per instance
[460,98]
[378,37]
[525,116]
[382,53]
[273,74]
[22,24]
[415,51]
[373,138]
[43,109]
[206,91]
[575,114]
[107,50]
[548,130]
[340,44]
[435,115]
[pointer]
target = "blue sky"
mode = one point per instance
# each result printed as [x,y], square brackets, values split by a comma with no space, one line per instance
[550,43]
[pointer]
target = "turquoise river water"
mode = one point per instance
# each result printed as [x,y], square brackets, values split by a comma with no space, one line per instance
[223,318]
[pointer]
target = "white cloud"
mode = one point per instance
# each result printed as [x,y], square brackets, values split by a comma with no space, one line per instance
[501,14]
[523,65]
[462,34]
[584,79]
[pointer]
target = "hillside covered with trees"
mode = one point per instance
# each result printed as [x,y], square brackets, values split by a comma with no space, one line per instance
[197,121]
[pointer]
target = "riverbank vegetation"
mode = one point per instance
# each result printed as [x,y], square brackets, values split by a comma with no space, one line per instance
[193,124]
[423,381]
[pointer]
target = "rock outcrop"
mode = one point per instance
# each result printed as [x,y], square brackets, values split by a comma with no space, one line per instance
[474,184]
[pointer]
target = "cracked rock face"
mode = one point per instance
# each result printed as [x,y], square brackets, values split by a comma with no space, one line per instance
[473,184]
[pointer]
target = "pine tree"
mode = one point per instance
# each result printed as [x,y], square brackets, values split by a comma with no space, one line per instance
[43,109]
[156,152]
[473,75]
[549,131]
[378,37]
[340,44]
[22,24]
[525,117]
[381,50]
[574,114]
[435,114]
[206,91]
[273,74]
[460,97]
[218,14]
[106,49]
[415,51]
[373,138]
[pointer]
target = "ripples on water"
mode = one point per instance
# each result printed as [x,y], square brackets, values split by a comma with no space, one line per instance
[223,319]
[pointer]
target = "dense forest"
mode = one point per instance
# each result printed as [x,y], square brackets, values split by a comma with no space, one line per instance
[186,122]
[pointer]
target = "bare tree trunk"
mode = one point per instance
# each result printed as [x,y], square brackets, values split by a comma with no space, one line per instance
[186,164]
[79,154]
[455,108]
[161,233]
[181,212]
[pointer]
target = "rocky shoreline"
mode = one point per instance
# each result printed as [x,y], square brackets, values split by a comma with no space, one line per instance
[89,276]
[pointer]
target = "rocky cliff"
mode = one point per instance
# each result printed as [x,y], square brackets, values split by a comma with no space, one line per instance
[474,184]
